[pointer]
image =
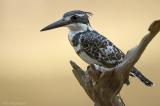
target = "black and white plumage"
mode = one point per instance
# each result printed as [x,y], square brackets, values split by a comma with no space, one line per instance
[98,48]
[91,46]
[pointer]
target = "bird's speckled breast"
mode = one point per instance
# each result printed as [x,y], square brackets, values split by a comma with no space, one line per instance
[74,40]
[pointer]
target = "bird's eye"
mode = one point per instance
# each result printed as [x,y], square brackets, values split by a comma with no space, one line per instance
[74,18]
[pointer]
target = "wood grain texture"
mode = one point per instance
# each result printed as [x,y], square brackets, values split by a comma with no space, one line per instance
[103,85]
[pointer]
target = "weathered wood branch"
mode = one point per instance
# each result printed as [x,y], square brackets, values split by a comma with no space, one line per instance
[103,84]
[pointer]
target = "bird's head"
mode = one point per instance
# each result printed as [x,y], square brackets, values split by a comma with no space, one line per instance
[74,20]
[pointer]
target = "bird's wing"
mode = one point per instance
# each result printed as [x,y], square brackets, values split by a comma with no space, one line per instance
[101,49]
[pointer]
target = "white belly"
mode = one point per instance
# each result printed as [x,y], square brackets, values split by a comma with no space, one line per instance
[85,57]
[88,59]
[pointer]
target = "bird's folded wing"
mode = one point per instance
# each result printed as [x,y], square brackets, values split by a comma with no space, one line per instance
[101,49]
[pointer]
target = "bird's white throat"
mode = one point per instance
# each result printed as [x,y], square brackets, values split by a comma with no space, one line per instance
[77,28]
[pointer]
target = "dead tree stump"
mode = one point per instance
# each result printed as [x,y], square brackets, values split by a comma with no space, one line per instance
[103,84]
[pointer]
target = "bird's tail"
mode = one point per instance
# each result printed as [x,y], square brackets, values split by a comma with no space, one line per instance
[141,77]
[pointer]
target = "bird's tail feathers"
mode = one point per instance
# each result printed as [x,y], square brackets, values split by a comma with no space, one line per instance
[141,77]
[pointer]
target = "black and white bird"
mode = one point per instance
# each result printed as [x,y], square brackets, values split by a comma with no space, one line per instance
[91,46]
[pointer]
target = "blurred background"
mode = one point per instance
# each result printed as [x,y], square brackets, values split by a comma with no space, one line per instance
[34,65]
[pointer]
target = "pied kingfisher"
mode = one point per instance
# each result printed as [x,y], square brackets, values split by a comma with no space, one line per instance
[91,46]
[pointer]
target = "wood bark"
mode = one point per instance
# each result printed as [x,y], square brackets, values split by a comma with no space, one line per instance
[103,85]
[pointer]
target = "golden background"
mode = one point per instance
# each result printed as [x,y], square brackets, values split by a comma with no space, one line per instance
[34,65]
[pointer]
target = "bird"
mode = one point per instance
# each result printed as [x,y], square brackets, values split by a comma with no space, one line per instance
[91,46]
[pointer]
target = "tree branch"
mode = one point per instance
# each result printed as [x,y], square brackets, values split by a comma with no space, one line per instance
[103,84]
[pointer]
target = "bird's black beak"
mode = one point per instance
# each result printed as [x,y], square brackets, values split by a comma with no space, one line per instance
[56,24]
